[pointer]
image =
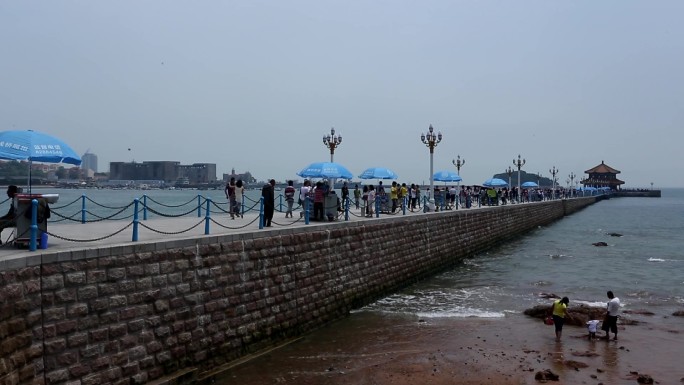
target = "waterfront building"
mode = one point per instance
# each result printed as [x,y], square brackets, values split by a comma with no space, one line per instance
[602,176]
[89,162]
[167,171]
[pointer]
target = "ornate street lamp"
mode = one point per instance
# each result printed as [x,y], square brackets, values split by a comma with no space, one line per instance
[572,177]
[431,140]
[509,171]
[519,164]
[332,141]
[458,162]
[553,172]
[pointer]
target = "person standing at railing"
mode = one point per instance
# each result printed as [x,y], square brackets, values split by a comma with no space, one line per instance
[357,196]
[9,219]
[289,197]
[267,192]
[239,194]
[345,194]
[230,194]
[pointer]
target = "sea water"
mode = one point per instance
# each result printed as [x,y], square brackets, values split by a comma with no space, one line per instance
[644,267]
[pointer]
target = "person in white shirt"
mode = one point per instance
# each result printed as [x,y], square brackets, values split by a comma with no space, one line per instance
[610,323]
[592,326]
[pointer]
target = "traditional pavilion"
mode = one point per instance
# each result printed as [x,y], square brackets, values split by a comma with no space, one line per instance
[602,176]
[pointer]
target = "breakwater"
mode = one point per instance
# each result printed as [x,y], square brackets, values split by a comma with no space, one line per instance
[134,313]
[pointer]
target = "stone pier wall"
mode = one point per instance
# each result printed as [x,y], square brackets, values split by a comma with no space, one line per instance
[141,312]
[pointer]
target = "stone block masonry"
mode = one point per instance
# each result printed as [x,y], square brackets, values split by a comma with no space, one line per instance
[138,313]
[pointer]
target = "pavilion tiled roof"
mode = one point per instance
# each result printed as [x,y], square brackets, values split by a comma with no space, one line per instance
[602,169]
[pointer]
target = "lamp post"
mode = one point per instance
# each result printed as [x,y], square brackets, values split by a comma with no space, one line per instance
[332,141]
[431,140]
[509,171]
[572,177]
[519,164]
[458,162]
[651,185]
[553,172]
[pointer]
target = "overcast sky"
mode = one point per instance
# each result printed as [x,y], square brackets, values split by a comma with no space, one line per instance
[254,85]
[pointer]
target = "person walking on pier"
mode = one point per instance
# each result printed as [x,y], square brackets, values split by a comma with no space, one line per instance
[289,197]
[230,194]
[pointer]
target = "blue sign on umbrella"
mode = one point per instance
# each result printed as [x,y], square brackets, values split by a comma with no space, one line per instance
[529,184]
[446,176]
[37,147]
[325,170]
[495,182]
[378,173]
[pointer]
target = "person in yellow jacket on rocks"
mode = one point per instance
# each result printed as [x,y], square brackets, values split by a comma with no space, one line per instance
[559,312]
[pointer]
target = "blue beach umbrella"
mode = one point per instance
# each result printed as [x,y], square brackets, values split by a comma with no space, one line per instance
[529,184]
[495,182]
[446,176]
[378,173]
[35,146]
[325,170]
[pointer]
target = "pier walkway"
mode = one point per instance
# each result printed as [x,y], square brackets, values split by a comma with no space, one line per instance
[73,236]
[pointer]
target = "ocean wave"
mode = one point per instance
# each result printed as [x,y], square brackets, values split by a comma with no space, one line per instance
[462,313]
[656,259]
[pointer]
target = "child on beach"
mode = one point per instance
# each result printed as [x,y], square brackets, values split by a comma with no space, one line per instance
[592,326]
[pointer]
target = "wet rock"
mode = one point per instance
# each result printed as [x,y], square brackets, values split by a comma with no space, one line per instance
[576,364]
[546,375]
[600,244]
[615,234]
[548,295]
[644,379]
[577,315]
[678,313]
[642,312]
[585,354]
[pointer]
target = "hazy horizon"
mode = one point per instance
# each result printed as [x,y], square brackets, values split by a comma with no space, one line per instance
[255,85]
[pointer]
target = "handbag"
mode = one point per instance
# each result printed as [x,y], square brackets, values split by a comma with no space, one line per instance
[548,320]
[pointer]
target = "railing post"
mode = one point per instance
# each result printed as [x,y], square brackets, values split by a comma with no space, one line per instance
[261,213]
[135,220]
[306,210]
[280,203]
[199,206]
[144,207]
[377,207]
[83,208]
[347,201]
[403,206]
[207,217]
[34,225]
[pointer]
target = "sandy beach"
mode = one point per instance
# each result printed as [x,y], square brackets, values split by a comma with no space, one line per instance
[376,349]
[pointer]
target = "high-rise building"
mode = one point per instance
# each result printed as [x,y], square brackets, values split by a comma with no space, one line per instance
[89,162]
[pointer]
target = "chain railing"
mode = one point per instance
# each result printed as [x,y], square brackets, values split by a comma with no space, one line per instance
[340,210]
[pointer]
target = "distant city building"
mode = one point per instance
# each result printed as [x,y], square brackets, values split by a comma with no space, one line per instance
[167,171]
[602,176]
[89,162]
[245,177]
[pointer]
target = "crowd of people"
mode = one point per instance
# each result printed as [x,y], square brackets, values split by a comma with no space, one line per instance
[391,198]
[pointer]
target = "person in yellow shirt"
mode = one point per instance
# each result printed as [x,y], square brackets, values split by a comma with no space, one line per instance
[559,312]
[394,197]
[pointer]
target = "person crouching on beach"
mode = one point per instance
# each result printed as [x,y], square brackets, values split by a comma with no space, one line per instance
[559,310]
[592,327]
